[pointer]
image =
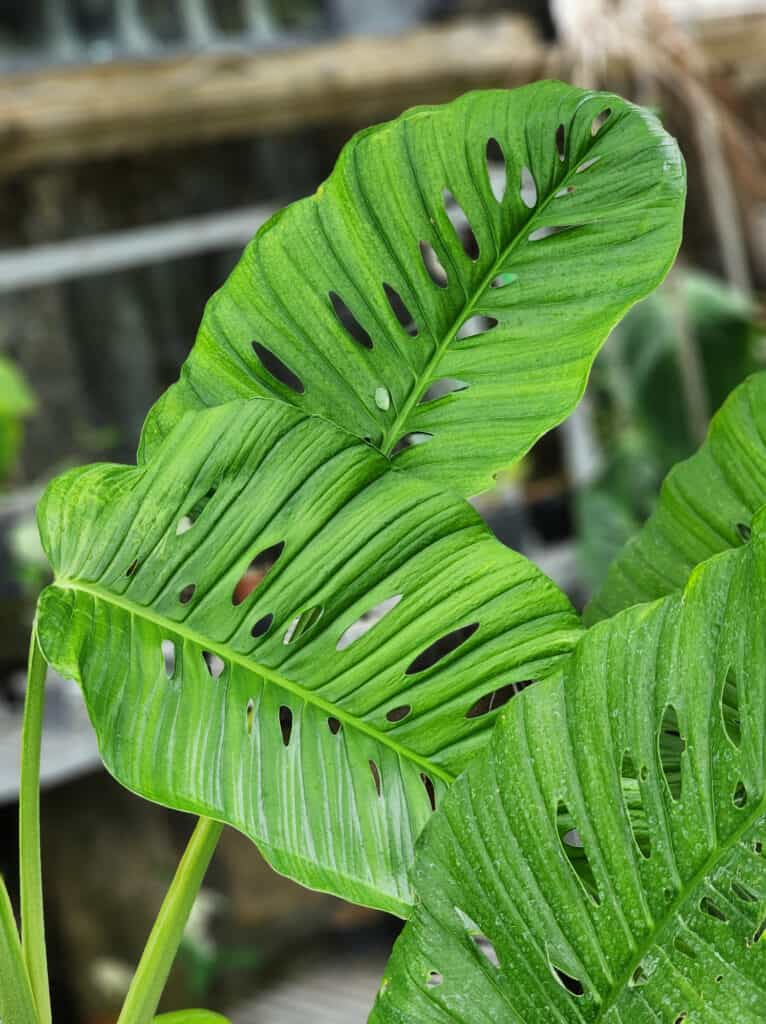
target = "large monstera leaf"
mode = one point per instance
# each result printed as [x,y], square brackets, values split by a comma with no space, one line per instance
[212,605]
[606,861]
[447,317]
[706,506]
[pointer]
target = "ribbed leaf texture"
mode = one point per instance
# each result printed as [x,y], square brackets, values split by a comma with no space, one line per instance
[214,605]
[444,293]
[706,506]
[606,862]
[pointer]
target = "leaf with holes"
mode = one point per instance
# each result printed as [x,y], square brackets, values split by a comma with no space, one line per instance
[273,628]
[606,860]
[444,293]
[706,506]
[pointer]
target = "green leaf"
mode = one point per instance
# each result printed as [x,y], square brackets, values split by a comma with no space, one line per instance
[191,1017]
[706,506]
[347,287]
[16,1001]
[293,740]
[606,861]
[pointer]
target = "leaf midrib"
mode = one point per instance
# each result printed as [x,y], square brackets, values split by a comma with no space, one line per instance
[656,936]
[229,655]
[391,437]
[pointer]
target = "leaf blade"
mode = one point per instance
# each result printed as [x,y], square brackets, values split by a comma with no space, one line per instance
[16,1001]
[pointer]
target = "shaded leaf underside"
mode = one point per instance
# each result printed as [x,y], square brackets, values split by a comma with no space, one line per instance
[610,852]
[223,686]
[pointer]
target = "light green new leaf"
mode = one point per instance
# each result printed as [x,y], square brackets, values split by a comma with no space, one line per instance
[606,861]
[327,747]
[16,1001]
[706,506]
[413,295]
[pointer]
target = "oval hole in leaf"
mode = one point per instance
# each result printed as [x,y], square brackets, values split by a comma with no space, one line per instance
[302,623]
[684,948]
[429,788]
[639,977]
[375,772]
[382,398]
[479,939]
[433,265]
[496,699]
[460,225]
[497,173]
[566,191]
[744,531]
[400,311]
[730,713]
[671,746]
[169,657]
[333,725]
[256,572]
[441,388]
[411,440]
[588,163]
[634,805]
[476,325]
[399,713]
[600,120]
[760,931]
[573,985]
[214,664]
[188,520]
[361,626]
[550,230]
[349,322]
[440,648]
[249,717]
[503,280]
[709,907]
[262,625]
[286,723]
[132,567]
[743,892]
[739,797]
[277,369]
[575,851]
[528,189]
[682,1016]
[433,979]
[561,142]
[187,593]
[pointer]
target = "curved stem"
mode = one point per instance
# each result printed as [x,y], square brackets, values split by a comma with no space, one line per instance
[160,951]
[32,920]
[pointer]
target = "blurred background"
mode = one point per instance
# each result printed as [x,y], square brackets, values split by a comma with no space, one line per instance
[142,142]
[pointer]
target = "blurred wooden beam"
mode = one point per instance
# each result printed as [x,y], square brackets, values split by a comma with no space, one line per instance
[80,113]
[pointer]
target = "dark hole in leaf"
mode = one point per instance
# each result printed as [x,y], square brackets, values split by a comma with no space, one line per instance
[286,723]
[410,440]
[587,164]
[600,120]
[333,725]
[757,847]
[760,931]
[461,225]
[476,325]
[302,623]
[278,370]
[400,311]
[496,699]
[685,948]
[262,625]
[574,850]
[361,626]
[256,572]
[744,531]
[639,977]
[190,518]
[549,230]
[497,171]
[487,948]
[573,985]
[398,713]
[429,788]
[375,776]
[187,593]
[739,799]
[169,657]
[214,664]
[433,979]
[349,322]
[718,979]
[441,648]
[249,717]
[528,189]
[707,906]
[503,280]
[668,895]
[671,745]
[743,892]
[132,567]
[730,708]
[433,265]
[441,388]
[634,805]
[561,142]
[681,1017]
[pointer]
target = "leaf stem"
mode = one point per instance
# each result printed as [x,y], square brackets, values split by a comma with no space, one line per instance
[160,951]
[30,866]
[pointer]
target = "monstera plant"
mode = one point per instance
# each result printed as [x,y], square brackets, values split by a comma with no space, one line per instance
[287,618]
